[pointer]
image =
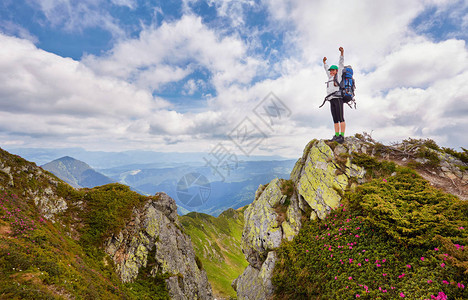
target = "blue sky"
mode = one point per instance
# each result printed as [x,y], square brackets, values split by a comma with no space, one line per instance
[184,75]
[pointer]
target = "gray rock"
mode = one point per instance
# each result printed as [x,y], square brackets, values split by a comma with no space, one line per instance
[254,284]
[154,230]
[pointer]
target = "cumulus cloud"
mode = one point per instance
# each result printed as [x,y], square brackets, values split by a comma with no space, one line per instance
[42,94]
[187,44]
[408,84]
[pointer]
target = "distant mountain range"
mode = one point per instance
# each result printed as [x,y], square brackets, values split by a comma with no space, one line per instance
[76,173]
[105,160]
[234,190]
[148,172]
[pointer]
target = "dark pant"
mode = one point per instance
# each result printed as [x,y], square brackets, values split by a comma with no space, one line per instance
[336,107]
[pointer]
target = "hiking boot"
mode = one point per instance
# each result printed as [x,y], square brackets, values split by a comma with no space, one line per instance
[340,139]
[333,139]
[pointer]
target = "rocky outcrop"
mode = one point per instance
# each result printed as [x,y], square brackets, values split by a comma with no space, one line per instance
[32,183]
[319,178]
[154,230]
[277,214]
[256,283]
[322,172]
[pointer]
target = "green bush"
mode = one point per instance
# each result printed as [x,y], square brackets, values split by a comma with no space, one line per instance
[393,237]
[374,167]
[463,156]
[108,207]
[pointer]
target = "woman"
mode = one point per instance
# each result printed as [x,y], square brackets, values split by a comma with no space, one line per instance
[333,93]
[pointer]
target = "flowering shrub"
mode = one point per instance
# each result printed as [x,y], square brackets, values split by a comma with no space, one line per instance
[393,238]
[12,211]
[39,260]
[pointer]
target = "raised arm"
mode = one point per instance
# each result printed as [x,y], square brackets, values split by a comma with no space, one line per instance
[341,63]
[325,65]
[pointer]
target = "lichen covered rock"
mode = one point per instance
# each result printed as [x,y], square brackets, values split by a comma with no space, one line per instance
[262,232]
[256,284]
[321,174]
[155,230]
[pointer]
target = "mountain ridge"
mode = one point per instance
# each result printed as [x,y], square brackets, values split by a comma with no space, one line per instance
[76,173]
[60,242]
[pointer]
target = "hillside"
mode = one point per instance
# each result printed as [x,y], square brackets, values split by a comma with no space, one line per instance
[361,220]
[102,243]
[216,242]
[76,173]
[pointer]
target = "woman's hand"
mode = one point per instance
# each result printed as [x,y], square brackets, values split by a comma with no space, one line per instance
[324,60]
[341,50]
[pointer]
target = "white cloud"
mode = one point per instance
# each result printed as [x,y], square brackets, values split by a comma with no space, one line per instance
[132,4]
[11,28]
[368,30]
[233,10]
[420,64]
[43,94]
[407,84]
[182,43]
[75,16]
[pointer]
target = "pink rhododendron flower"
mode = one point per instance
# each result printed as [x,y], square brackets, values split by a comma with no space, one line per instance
[436,249]
[441,296]
[402,295]
[409,266]
[461,285]
[442,265]
[422,258]
[429,281]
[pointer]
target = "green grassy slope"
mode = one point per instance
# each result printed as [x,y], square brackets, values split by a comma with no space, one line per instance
[40,259]
[217,242]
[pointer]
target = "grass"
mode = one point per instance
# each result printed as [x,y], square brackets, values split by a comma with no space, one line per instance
[217,244]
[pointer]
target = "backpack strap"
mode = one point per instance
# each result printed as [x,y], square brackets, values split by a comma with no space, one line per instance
[351,103]
[327,98]
[335,80]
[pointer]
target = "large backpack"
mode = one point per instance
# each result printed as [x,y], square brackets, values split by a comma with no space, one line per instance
[347,86]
